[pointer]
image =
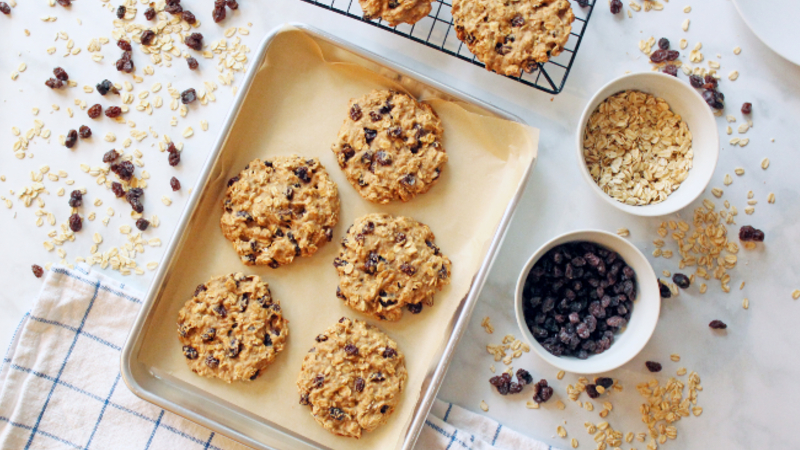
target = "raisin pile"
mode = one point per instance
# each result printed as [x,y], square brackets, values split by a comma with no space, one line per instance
[124,170]
[505,386]
[71,139]
[37,270]
[134,197]
[542,392]
[75,198]
[750,234]
[576,297]
[125,63]
[219,9]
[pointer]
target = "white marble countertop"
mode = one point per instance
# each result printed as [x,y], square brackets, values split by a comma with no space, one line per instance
[748,373]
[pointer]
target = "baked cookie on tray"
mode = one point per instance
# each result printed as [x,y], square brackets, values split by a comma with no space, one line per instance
[390,146]
[396,12]
[278,209]
[352,378]
[388,263]
[510,36]
[232,328]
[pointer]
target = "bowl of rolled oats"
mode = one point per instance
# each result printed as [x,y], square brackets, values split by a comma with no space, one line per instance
[648,144]
[587,301]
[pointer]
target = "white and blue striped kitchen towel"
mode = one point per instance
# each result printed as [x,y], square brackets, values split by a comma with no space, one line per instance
[60,385]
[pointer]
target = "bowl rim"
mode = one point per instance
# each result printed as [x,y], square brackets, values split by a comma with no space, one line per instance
[658,209]
[585,366]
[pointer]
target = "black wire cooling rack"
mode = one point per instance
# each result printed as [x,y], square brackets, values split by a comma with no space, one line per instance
[437,31]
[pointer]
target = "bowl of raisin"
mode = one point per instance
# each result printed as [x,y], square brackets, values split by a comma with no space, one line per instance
[587,301]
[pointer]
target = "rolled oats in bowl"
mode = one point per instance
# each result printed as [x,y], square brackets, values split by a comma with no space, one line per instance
[636,148]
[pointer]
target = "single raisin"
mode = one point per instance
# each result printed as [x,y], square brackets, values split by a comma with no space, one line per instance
[212,362]
[188,96]
[681,280]
[189,352]
[616,6]
[171,148]
[232,4]
[121,12]
[105,86]
[758,236]
[95,111]
[389,352]
[148,36]
[117,189]
[125,63]
[665,292]
[71,139]
[671,69]
[54,83]
[174,159]
[110,156]
[710,80]
[748,233]
[717,325]
[591,391]
[351,349]
[524,377]
[37,269]
[61,74]
[219,14]
[149,13]
[113,111]
[672,55]
[658,56]
[189,17]
[5,9]
[173,8]
[360,384]
[193,64]
[85,132]
[653,366]
[542,392]
[355,112]
[75,223]
[517,21]
[124,45]
[715,99]
[124,170]
[414,308]
[194,41]
[175,184]
[606,382]
[75,198]
[142,224]
[583,3]
[696,81]
[663,43]
[747,108]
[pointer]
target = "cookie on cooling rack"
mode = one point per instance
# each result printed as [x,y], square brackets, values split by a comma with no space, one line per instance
[512,36]
[389,263]
[231,328]
[279,209]
[390,146]
[396,12]
[352,378]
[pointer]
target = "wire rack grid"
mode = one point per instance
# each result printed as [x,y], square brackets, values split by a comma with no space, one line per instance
[437,31]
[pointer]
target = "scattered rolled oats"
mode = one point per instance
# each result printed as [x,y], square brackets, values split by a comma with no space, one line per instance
[739,171]
[733,75]
[796,294]
[771,198]
[765,163]
[737,50]
[675,357]
[623,232]
[745,303]
[727,180]
[560,375]
[685,25]
[487,325]
[484,406]
[574,443]
[560,405]
[531,405]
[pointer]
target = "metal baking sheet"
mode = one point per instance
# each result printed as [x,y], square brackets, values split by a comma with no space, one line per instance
[152,365]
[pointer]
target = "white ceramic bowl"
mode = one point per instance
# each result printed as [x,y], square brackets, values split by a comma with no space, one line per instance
[684,100]
[647,305]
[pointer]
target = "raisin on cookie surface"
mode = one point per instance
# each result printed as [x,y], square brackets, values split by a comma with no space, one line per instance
[279,209]
[390,146]
[231,328]
[396,12]
[510,36]
[352,378]
[388,263]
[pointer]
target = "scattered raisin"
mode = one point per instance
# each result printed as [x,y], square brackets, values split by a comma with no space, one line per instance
[75,198]
[710,80]
[188,96]
[583,3]
[681,280]
[174,158]
[717,325]
[748,233]
[233,4]
[194,41]
[616,6]
[134,196]
[672,55]
[663,43]
[653,366]
[37,269]
[65,3]
[110,156]
[121,12]
[671,69]
[591,391]
[5,9]
[189,17]
[524,377]
[105,86]
[75,223]
[606,382]
[747,108]
[658,56]
[124,45]
[714,99]
[54,83]
[95,111]
[142,224]
[696,81]
[175,184]
[71,139]
[664,289]
[117,189]
[125,63]
[193,64]
[414,308]
[219,14]
[61,74]
[85,132]
[124,170]
[541,391]
[173,8]
[149,13]
[148,36]
[113,111]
